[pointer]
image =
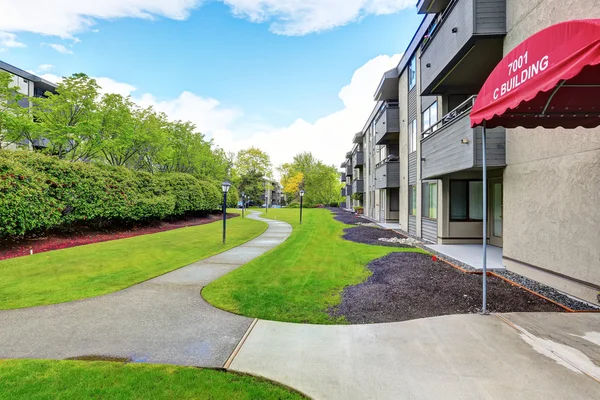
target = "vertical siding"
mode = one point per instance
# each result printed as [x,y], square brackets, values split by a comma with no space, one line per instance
[490,16]
[393,119]
[429,230]
[412,168]
[496,147]
[412,224]
[388,175]
[412,104]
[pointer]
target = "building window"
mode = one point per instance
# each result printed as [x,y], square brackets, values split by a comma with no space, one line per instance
[412,136]
[412,200]
[412,72]
[466,200]
[430,118]
[430,197]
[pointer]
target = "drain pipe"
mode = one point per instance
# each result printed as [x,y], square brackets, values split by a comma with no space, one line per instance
[484,159]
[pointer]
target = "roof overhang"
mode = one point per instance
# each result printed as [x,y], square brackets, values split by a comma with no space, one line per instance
[552,79]
[388,86]
[431,6]
[349,154]
[358,137]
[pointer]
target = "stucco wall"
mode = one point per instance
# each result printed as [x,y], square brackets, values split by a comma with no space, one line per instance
[552,182]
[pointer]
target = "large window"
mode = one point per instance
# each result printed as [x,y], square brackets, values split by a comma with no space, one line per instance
[412,200]
[430,118]
[412,73]
[466,200]
[430,197]
[412,136]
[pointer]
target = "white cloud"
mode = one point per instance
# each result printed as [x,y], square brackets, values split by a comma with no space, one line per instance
[64,18]
[10,40]
[45,67]
[328,138]
[58,47]
[300,17]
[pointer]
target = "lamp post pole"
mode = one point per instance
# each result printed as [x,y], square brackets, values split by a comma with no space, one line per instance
[301,197]
[225,187]
[243,203]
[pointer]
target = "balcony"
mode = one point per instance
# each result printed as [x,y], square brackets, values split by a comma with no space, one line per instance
[348,190]
[452,145]
[462,46]
[387,175]
[349,170]
[358,186]
[358,159]
[431,6]
[343,193]
[343,177]
[387,124]
[358,138]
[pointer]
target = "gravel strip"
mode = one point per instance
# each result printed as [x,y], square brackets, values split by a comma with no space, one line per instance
[547,291]
[369,235]
[407,286]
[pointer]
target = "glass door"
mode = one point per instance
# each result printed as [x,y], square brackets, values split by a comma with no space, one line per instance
[496,212]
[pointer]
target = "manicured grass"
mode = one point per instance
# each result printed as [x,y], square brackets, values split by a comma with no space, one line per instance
[52,380]
[299,280]
[100,268]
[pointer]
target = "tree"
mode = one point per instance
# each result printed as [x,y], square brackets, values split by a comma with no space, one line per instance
[69,119]
[15,119]
[121,138]
[293,184]
[253,161]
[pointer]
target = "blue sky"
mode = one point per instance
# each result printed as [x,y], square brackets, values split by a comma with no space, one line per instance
[263,79]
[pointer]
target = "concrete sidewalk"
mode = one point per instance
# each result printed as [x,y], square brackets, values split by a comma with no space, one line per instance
[518,356]
[164,320]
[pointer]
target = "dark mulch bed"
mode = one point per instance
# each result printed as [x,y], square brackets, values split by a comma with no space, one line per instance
[407,286]
[82,235]
[347,217]
[371,235]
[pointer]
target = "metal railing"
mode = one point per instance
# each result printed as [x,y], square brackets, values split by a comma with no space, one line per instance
[464,108]
[383,109]
[387,161]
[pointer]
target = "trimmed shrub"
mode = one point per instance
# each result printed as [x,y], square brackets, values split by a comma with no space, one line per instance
[294,204]
[334,204]
[39,192]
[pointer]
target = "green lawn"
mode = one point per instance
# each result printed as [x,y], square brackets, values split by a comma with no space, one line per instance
[52,380]
[299,280]
[96,269]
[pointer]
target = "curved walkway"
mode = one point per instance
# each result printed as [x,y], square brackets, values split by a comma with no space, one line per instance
[163,320]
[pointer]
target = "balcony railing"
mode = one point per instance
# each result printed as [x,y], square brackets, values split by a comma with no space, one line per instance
[387,124]
[463,108]
[358,159]
[358,186]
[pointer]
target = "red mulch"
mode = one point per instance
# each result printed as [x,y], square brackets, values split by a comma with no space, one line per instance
[55,241]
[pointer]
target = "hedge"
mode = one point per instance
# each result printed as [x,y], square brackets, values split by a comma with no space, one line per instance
[39,192]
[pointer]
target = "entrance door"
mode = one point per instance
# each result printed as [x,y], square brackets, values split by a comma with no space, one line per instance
[496,212]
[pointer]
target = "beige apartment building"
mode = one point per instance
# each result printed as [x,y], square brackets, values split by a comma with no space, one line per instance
[421,167]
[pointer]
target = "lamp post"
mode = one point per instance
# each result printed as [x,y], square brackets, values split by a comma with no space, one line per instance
[301,197]
[266,196]
[243,203]
[225,187]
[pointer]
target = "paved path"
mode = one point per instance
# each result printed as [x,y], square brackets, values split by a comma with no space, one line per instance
[512,356]
[164,320]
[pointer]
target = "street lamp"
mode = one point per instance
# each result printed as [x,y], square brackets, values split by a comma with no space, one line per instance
[266,195]
[243,203]
[301,197]
[225,187]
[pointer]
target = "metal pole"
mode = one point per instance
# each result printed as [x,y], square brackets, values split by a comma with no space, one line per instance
[224,217]
[301,197]
[483,142]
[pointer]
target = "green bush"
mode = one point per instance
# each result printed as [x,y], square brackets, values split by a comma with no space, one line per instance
[39,192]
[334,204]
[294,204]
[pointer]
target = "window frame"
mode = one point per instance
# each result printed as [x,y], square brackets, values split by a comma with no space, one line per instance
[412,204]
[431,121]
[412,72]
[468,200]
[412,136]
[426,195]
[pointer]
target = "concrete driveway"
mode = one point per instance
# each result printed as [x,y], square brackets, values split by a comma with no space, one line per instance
[164,320]
[513,356]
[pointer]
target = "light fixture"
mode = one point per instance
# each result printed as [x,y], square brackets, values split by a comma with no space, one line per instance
[454,30]
[302,193]
[225,186]
[428,65]
[465,141]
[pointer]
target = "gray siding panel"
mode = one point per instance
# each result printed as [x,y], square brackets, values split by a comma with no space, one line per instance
[444,153]
[490,16]
[429,230]
[388,175]
[412,225]
[445,44]
[412,168]
[412,104]
[427,101]
[496,147]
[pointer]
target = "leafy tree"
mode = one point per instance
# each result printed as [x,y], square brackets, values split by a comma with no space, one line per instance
[15,120]
[68,119]
[253,161]
[293,184]
[120,133]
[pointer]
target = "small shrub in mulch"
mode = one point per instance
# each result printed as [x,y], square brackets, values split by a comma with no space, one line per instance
[369,235]
[408,286]
[348,217]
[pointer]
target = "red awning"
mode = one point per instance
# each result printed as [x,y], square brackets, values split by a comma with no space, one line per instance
[551,79]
